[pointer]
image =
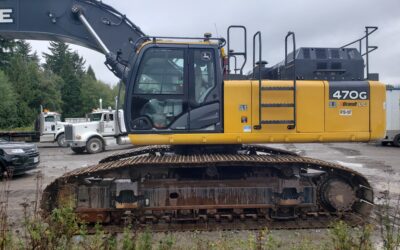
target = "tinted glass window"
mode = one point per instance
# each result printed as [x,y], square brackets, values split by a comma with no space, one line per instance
[161,72]
[49,119]
[204,74]
[162,113]
[95,117]
[111,117]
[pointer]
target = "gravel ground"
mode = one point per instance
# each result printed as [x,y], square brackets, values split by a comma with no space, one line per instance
[381,165]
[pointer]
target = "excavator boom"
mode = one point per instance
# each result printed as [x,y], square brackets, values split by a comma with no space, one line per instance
[58,20]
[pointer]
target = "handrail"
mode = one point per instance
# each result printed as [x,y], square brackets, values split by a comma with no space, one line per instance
[140,40]
[291,34]
[258,34]
[230,53]
[368,48]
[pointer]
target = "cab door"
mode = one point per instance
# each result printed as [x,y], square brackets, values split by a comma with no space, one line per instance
[175,89]
[204,90]
[109,124]
[159,100]
[49,124]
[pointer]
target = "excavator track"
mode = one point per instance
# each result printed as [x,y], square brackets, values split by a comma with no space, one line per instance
[247,188]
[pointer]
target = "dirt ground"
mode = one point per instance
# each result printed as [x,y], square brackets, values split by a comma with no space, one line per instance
[381,165]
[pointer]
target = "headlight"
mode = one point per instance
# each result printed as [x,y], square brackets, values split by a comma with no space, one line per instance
[78,137]
[11,151]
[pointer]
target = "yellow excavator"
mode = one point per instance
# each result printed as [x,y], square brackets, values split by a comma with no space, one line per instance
[198,123]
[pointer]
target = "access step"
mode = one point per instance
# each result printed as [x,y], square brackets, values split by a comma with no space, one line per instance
[277,88]
[277,105]
[277,122]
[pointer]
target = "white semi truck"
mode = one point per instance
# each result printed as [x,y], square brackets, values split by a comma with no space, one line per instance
[392,116]
[103,127]
[48,128]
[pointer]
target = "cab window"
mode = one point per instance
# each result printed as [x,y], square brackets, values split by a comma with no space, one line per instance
[161,72]
[204,74]
[95,117]
[49,119]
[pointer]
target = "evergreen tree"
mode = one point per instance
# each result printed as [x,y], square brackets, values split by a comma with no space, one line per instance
[92,91]
[8,104]
[70,67]
[24,77]
[48,92]
[90,72]
[24,50]
[7,48]
[71,93]
[58,57]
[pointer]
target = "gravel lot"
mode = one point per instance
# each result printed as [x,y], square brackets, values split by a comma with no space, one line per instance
[380,164]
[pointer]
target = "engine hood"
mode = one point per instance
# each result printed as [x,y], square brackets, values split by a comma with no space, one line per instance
[86,126]
[63,123]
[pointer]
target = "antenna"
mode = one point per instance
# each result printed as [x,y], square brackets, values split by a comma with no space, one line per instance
[216,29]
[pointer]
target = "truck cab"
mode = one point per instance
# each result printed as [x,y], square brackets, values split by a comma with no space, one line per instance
[51,128]
[103,126]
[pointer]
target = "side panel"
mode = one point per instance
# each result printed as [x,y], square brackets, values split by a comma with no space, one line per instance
[378,112]
[237,107]
[310,107]
[347,106]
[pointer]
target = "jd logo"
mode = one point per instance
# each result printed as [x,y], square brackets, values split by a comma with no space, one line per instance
[5,16]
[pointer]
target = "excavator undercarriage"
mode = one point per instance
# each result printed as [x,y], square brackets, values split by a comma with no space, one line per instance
[166,188]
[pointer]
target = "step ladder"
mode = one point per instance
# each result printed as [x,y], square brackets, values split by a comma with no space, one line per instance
[262,89]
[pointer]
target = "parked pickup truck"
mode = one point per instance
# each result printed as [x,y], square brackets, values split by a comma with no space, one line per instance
[17,157]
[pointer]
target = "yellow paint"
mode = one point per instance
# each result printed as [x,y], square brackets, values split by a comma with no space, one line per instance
[238,93]
[356,119]
[232,138]
[310,107]
[317,121]
[378,112]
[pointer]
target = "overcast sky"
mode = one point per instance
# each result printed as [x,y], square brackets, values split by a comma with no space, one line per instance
[317,23]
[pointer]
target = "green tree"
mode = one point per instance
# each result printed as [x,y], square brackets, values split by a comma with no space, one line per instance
[70,67]
[8,104]
[24,49]
[7,48]
[92,91]
[71,92]
[24,77]
[48,92]
[90,72]
[57,57]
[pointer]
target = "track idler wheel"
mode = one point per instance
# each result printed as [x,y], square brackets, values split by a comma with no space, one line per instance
[337,195]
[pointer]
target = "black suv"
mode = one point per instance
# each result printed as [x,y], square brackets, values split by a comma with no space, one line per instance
[17,157]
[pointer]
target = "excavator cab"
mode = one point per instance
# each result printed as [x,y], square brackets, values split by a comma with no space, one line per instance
[175,88]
